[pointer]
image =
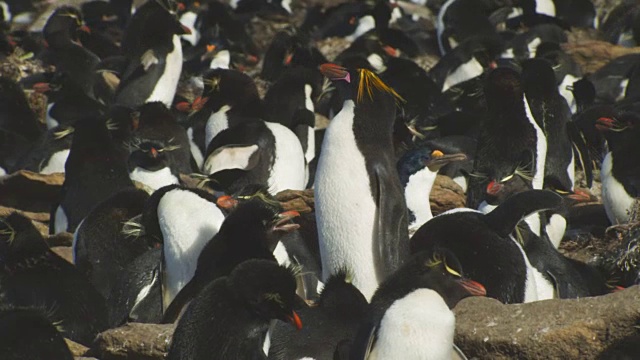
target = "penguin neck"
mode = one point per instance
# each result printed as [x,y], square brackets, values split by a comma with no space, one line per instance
[373,121]
[416,192]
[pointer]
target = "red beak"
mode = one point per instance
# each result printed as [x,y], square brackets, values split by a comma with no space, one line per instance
[198,103]
[581,196]
[294,320]
[473,287]
[183,106]
[85,28]
[226,202]
[154,153]
[390,51]
[41,87]
[494,188]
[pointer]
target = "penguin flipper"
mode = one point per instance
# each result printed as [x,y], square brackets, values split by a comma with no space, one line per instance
[390,233]
[508,214]
[186,294]
[581,151]
[363,342]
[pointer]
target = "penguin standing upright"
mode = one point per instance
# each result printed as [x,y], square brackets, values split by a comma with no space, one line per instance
[360,208]
[511,142]
[552,112]
[154,56]
[620,172]
[94,171]
[31,275]
[230,317]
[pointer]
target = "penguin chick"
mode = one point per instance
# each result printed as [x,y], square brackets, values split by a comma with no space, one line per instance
[230,317]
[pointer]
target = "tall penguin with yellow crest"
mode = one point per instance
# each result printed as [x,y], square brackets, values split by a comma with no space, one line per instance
[360,207]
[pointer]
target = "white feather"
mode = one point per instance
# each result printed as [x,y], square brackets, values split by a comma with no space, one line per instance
[288,170]
[195,150]
[419,326]
[154,179]
[188,19]
[222,60]
[60,223]
[568,94]
[365,24]
[217,122]
[227,158]
[546,7]
[344,205]
[187,223]
[617,202]
[555,229]
[416,193]
[56,162]
[462,73]
[165,88]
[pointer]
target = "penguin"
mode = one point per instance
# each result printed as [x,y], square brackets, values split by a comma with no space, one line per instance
[48,155]
[160,148]
[137,296]
[620,173]
[612,79]
[228,97]
[183,220]
[93,159]
[104,35]
[418,169]
[618,26]
[362,132]
[27,333]
[511,142]
[465,62]
[94,171]
[459,170]
[61,35]
[525,45]
[341,20]
[33,276]
[486,250]
[100,251]
[425,316]
[15,114]
[289,48]
[153,50]
[251,231]
[460,21]
[336,316]
[256,152]
[553,114]
[230,317]
[290,102]
[571,278]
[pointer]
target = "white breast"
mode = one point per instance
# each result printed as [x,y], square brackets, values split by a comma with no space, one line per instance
[195,150]
[464,72]
[617,202]
[50,121]
[56,162]
[546,7]
[218,121]
[567,94]
[419,326]
[541,148]
[165,88]
[187,223]
[154,179]
[344,205]
[310,153]
[60,223]
[440,24]
[188,19]
[288,171]
[555,229]
[365,24]
[416,193]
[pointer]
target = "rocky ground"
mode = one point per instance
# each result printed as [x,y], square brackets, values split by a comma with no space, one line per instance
[592,328]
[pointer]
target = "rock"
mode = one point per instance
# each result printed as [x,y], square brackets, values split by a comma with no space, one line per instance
[76,349]
[133,341]
[301,201]
[30,192]
[601,327]
[446,194]
[65,252]
[591,55]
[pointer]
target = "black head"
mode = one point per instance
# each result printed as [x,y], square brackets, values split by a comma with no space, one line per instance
[148,154]
[584,92]
[438,270]
[63,25]
[19,239]
[503,84]
[340,293]
[27,333]
[260,217]
[538,77]
[620,130]
[417,159]
[98,13]
[246,193]
[268,289]
[229,87]
[154,114]
[92,145]
[504,184]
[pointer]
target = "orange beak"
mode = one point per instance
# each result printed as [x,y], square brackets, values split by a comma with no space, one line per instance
[85,28]
[154,153]
[226,202]
[198,103]
[294,320]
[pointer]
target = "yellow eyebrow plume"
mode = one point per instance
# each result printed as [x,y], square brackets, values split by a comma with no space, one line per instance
[370,81]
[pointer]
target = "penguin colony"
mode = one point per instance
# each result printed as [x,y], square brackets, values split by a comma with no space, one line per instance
[148,98]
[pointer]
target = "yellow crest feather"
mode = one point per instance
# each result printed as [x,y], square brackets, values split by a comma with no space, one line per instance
[370,81]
